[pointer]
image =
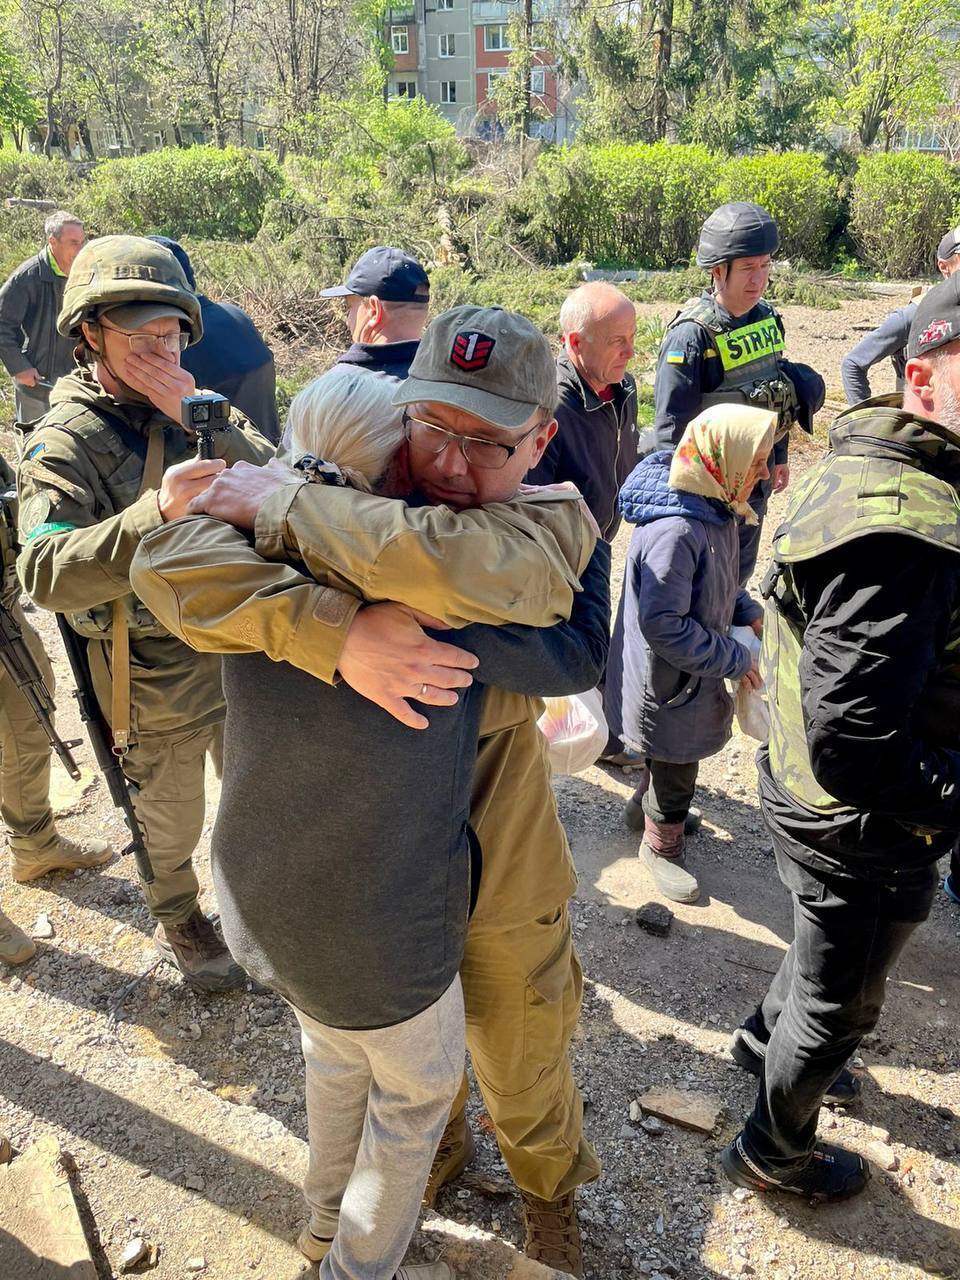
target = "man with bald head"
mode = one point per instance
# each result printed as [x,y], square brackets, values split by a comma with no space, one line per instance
[596,441]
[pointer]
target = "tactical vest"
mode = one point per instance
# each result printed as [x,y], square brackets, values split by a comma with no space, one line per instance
[845,497]
[119,455]
[750,356]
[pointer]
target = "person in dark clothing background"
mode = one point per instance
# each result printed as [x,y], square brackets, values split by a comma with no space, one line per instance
[596,442]
[860,781]
[231,357]
[890,336]
[30,347]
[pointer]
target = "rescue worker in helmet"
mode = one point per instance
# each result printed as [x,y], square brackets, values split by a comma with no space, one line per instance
[727,346]
[108,463]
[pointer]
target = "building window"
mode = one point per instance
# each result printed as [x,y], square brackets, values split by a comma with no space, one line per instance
[448,90]
[496,39]
[405,89]
[492,77]
[399,40]
[448,45]
[538,81]
[444,6]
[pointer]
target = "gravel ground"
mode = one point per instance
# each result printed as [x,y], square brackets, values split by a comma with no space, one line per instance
[184,1113]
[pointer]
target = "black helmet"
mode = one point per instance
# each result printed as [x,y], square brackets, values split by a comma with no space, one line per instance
[737,230]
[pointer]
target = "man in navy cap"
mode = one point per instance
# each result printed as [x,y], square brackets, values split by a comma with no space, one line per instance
[388,296]
[890,337]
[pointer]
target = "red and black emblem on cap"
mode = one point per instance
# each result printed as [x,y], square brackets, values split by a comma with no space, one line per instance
[936,331]
[472,351]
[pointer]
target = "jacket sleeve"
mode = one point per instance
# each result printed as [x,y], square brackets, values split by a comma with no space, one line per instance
[14,302]
[888,338]
[207,585]
[678,385]
[71,559]
[430,558]
[746,609]
[548,662]
[879,615]
[663,580]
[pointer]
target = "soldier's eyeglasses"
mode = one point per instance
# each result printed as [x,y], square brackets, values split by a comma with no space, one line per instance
[479,453]
[141,343]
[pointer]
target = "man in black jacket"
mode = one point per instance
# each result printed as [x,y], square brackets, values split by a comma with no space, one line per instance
[596,441]
[30,346]
[860,781]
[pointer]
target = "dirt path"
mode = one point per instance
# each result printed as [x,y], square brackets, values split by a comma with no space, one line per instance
[185,1116]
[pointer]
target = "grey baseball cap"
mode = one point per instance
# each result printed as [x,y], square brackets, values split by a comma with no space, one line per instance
[486,361]
[949,246]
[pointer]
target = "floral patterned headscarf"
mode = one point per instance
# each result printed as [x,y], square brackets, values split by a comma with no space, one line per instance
[717,451]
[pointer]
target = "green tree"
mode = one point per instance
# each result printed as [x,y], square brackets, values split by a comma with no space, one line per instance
[887,63]
[18,106]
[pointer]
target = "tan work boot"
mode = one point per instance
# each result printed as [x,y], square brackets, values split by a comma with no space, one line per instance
[15,946]
[199,953]
[553,1234]
[6,1151]
[63,855]
[313,1247]
[454,1153]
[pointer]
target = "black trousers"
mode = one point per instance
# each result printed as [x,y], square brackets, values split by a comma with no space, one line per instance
[670,793]
[826,995]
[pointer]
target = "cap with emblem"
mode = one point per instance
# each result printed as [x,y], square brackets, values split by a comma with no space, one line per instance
[937,318]
[949,246]
[486,361]
[388,274]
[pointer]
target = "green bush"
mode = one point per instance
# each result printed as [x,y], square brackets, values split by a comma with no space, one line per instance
[639,204]
[797,190]
[901,204]
[37,178]
[200,191]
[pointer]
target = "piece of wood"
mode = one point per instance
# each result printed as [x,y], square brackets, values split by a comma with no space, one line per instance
[41,1236]
[699,1111]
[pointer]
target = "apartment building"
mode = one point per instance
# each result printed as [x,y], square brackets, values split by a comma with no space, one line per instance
[451,53]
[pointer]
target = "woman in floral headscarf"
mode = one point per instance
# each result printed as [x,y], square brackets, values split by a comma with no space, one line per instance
[672,650]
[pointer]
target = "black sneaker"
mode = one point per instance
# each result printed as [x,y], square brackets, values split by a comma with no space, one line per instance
[831,1173]
[748,1050]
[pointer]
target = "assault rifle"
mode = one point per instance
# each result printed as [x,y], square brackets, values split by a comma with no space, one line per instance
[20,666]
[101,739]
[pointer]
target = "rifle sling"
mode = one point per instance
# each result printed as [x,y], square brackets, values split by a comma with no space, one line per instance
[120,631]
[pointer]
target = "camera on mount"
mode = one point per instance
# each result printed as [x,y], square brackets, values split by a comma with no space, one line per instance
[205,414]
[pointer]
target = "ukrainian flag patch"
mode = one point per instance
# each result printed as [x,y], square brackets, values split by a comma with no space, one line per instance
[675,357]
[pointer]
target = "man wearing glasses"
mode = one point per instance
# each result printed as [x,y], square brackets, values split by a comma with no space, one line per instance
[97,477]
[475,423]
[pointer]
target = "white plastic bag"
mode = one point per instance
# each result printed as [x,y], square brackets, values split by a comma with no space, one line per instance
[575,729]
[749,704]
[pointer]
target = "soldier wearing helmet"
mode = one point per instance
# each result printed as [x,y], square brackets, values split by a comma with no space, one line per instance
[727,345]
[108,463]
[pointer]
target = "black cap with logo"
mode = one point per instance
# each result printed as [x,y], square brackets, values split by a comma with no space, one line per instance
[388,274]
[937,320]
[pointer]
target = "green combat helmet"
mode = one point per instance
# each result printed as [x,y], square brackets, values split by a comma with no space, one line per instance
[114,270]
[736,230]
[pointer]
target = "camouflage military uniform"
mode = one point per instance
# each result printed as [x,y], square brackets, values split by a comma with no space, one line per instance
[88,493]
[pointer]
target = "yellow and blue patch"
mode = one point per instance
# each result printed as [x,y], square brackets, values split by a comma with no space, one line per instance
[675,357]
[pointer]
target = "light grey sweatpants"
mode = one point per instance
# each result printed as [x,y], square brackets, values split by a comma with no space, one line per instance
[377,1103]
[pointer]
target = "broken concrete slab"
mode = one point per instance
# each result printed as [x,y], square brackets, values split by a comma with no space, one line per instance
[42,1237]
[699,1111]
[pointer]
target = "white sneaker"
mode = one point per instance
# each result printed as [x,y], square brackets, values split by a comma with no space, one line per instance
[426,1271]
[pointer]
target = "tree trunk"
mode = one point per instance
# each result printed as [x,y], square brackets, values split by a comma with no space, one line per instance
[663,44]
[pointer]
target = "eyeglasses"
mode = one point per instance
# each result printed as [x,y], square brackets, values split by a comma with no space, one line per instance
[140,343]
[479,453]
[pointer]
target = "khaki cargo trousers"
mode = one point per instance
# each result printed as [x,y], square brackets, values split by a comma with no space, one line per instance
[166,772]
[25,758]
[522,981]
